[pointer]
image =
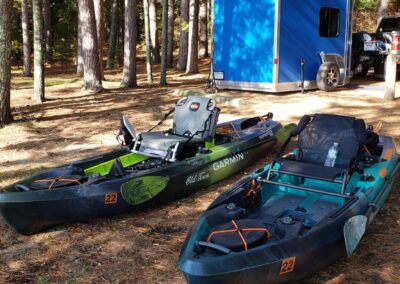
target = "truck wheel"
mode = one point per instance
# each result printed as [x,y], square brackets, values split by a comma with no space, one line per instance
[380,71]
[328,77]
[364,71]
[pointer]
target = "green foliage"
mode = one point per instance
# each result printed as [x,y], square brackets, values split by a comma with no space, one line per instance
[43,279]
[185,26]
[366,5]
[373,5]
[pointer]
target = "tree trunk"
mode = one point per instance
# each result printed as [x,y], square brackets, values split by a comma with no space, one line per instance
[129,70]
[38,54]
[79,49]
[46,10]
[203,15]
[163,77]
[155,44]
[171,29]
[121,34]
[183,37]
[91,65]
[192,65]
[26,39]
[148,41]
[112,41]
[383,9]
[99,15]
[5,61]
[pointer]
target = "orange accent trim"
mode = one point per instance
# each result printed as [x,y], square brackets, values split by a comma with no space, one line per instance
[57,179]
[383,172]
[239,231]
[388,154]
[254,188]
[220,233]
[368,151]
[236,132]
[258,230]
[240,234]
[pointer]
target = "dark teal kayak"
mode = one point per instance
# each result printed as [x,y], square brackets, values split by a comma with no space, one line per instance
[298,214]
[153,168]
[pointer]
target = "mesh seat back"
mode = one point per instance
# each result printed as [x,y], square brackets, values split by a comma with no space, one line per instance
[323,131]
[194,116]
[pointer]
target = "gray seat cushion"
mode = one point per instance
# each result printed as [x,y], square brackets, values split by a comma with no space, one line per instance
[191,116]
[162,142]
[194,121]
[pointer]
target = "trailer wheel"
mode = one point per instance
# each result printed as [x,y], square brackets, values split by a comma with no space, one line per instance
[328,77]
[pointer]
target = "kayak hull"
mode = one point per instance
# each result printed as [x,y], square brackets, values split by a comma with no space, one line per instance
[297,249]
[34,211]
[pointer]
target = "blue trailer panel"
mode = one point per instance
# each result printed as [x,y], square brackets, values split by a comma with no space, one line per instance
[244,39]
[279,45]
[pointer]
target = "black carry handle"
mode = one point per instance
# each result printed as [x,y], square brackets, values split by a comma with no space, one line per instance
[215,247]
[295,131]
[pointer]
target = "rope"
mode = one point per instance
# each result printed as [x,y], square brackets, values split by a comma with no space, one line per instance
[53,181]
[239,232]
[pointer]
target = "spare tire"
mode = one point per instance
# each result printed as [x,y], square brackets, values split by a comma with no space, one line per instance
[328,77]
[57,182]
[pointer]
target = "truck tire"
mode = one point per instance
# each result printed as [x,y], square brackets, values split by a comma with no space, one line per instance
[328,77]
[380,70]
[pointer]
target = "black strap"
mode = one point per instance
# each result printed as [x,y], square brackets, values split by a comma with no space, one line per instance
[295,131]
[164,119]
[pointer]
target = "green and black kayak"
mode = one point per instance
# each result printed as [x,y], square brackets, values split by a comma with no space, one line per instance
[151,169]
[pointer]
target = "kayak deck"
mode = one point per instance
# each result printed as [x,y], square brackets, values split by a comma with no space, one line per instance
[282,224]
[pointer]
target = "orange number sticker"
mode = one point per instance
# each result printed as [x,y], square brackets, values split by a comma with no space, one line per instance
[111,198]
[287,265]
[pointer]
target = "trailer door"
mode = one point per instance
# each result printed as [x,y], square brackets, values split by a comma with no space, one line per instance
[308,28]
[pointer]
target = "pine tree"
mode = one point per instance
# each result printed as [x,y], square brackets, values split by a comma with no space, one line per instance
[154,31]
[203,16]
[98,11]
[383,8]
[38,61]
[129,70]
[183,37]
[148,41]
[5,61]
[171,30]
[192,65]
[26,38]
[91,64]
[79,48]
[163,77]
[112,41]
[46,10]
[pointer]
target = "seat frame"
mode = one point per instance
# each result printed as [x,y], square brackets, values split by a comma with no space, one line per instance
[163,154]
[172,153]
[342,181]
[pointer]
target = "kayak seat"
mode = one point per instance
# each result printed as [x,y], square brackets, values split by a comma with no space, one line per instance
[319,135]
[194,122]
[309,170]
[316,135]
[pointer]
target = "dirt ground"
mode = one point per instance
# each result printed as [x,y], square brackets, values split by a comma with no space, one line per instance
[144,247]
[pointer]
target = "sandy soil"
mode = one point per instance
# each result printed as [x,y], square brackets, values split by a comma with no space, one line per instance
[144,247]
